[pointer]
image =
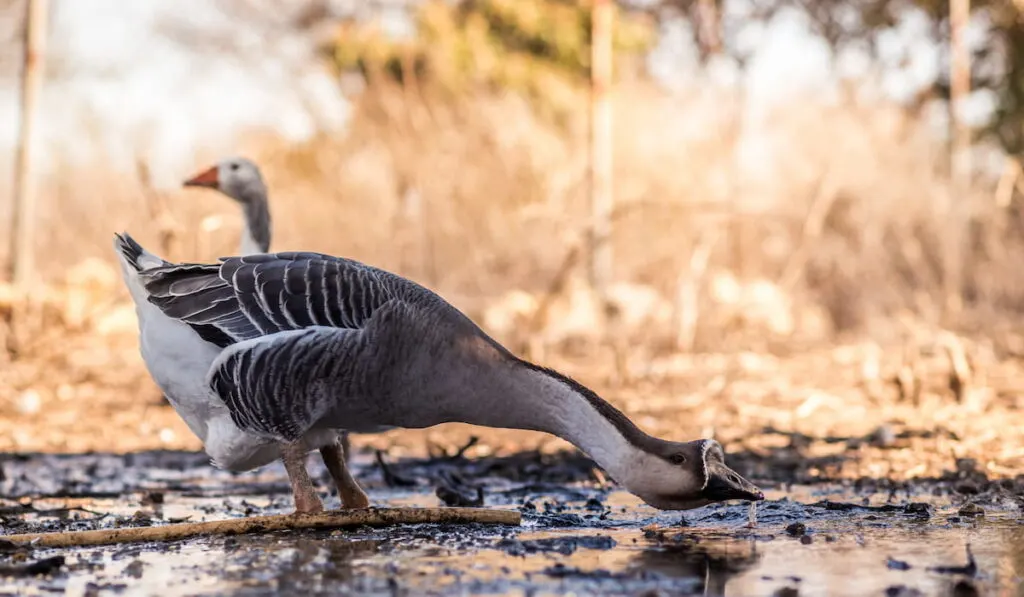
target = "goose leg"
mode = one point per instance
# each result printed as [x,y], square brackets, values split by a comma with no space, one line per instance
[346,446]
[352,496]
[306,499]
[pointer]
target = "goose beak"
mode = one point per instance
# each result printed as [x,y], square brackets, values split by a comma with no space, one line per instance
[726,484]
[207,178]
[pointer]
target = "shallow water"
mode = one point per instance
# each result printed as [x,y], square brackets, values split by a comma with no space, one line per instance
[575,538]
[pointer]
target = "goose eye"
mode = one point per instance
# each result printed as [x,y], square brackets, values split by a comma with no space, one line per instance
[234,167]
[677,458]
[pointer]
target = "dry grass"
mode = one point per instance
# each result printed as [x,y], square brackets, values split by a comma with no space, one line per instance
[842,207]
[793,235]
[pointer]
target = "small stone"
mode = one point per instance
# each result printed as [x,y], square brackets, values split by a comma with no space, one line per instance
[796,529]
[513,547]
[967,488]
[893,564]
[964,588]
[134,569]
[883,436]
[806,539]
[971,509]
[902,591]
[918,508]
[966,465]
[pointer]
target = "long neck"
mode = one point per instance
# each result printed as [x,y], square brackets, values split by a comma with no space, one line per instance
[522,396]
[256,218]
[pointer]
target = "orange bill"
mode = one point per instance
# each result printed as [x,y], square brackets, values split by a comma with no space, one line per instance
[206,178]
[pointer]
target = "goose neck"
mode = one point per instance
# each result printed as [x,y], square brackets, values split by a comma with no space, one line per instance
[256,229]
[540,399]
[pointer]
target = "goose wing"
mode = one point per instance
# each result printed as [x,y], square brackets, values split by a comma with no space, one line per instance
[243,298]
[300,331]
[315,368]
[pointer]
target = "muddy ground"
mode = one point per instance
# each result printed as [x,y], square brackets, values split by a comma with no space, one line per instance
[959,535]
[873,490]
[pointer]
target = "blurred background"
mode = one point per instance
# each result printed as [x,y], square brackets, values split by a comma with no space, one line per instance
[757,220]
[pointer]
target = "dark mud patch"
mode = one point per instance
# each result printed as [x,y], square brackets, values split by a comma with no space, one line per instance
[565,545]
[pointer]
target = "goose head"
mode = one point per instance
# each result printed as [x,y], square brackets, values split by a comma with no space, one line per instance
[681,476]
[236,177]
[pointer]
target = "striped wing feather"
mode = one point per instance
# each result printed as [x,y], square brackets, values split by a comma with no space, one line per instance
[251,296]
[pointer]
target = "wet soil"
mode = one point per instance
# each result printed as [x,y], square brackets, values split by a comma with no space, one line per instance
[961,534]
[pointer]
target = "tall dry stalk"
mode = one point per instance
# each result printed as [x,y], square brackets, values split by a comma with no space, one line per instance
[960,157]
[601,199]
[23,219]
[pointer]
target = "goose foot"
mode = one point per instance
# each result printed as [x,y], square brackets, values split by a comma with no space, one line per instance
[306,499]
[352,496]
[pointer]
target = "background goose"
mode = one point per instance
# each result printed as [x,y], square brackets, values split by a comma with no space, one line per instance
[240,179]
[298,345]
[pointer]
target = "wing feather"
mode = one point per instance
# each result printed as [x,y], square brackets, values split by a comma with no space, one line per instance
[280,385]
[242,298]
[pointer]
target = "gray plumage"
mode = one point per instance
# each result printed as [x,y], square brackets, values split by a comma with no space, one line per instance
[322,331]
[310,343]
[257,219]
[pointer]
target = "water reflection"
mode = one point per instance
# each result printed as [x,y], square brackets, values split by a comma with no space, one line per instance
[713,562]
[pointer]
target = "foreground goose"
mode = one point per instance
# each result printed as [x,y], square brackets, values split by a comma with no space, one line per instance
[295,346]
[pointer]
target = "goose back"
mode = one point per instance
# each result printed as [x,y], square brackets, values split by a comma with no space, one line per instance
[246,297]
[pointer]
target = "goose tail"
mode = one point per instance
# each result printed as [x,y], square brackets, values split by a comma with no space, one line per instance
[134,260]
[133,256]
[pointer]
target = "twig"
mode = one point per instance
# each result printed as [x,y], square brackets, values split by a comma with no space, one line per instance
[687,304]
[1008,182]
[959,365]
[392,479]
[908,378]
[279,522]
[454,491]
[473,440]
[825,196]
[971,569]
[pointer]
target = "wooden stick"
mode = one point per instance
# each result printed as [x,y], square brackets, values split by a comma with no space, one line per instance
[262,524]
